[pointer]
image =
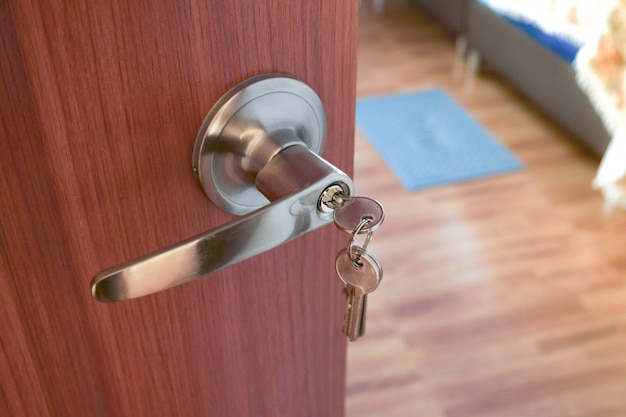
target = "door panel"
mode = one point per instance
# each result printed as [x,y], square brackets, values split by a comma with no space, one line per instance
[100,109]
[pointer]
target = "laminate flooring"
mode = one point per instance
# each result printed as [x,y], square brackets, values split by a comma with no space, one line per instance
[503,296]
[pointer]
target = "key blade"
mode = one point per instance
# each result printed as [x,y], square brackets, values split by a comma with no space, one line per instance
[355,315]
[363,315]
[349,291]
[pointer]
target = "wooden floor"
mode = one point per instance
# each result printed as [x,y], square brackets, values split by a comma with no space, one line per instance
[503,296]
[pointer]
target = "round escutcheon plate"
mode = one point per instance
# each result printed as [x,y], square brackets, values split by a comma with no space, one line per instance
[250,124]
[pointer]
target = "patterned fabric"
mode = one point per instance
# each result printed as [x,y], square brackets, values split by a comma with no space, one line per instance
[601,72]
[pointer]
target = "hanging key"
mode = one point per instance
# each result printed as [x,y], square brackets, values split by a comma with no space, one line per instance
[361,275]
[348,215]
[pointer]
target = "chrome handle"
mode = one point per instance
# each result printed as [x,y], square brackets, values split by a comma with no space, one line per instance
[253,147]
[263,229]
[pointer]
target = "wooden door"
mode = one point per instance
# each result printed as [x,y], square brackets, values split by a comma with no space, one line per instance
[101,102]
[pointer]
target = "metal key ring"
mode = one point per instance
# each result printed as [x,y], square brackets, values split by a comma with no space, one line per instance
[356,259]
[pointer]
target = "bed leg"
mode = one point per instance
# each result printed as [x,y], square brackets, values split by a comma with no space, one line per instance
[471,70]
[378,6]
[460,51]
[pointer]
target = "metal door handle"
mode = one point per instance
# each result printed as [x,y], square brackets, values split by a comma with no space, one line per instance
[258,144]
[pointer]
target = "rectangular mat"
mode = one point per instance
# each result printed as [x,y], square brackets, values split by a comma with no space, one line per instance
[427,139]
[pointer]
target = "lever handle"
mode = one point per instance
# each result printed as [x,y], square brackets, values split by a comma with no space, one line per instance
[268,227]
[285,171]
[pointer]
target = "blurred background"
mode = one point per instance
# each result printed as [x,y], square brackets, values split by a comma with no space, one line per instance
[502,296]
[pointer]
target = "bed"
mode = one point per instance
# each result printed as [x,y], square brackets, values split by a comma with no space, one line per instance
[565,57]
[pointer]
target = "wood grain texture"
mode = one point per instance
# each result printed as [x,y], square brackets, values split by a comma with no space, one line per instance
[100,107]
[502,297]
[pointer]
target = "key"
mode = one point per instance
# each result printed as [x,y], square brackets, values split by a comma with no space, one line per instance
[361,276]
[348,216]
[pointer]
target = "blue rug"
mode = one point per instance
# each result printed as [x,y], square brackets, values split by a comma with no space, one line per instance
[427,139]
